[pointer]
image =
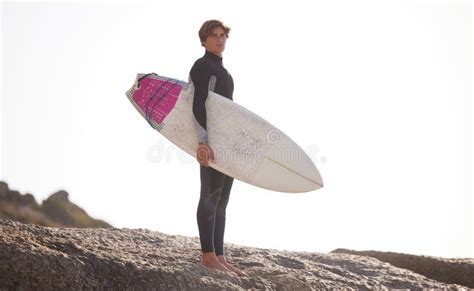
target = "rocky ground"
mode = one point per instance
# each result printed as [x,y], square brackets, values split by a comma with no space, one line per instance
[456,271]
[46,258]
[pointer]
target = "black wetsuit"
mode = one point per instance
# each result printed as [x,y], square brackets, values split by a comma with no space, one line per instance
[208,74]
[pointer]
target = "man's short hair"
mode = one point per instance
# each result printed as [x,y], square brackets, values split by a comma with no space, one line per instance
[207,28]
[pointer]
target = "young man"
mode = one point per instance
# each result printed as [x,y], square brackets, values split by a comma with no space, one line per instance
[208,74]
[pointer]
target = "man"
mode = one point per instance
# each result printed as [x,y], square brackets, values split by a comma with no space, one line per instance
[208,74]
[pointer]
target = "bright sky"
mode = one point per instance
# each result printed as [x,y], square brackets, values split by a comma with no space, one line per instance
[379,94]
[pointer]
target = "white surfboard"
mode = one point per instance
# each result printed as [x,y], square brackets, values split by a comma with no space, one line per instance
[246,146]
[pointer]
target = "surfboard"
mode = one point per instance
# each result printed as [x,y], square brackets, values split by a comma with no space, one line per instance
[245,145]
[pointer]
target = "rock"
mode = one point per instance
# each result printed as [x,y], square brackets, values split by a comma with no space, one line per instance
[45,258]
[28,200]
[59,208]
[3,189]
[55,211]
[60,196]
[452,271]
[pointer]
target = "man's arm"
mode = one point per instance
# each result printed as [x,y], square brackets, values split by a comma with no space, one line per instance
[200,76]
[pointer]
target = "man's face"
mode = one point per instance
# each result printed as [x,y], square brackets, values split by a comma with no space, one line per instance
[215,42]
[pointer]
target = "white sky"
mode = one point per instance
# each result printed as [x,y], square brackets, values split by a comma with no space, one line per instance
[379,94]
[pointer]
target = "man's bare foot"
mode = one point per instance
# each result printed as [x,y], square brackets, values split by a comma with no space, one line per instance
[210,260]
[215,265]
[230,267]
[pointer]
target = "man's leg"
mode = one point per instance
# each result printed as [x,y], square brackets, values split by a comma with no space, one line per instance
[220,225]
[211,186]
[206,210]
[220,215]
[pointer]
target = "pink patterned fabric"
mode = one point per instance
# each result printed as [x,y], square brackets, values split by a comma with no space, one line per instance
[164,93]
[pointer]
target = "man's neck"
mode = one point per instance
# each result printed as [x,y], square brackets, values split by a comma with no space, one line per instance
[216,54]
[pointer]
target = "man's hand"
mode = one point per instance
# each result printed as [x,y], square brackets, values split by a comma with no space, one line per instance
[204,153]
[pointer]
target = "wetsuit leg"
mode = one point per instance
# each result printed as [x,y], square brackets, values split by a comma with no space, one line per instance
[211,188]
[220,215]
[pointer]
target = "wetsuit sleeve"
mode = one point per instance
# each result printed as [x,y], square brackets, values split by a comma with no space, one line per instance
[200,75]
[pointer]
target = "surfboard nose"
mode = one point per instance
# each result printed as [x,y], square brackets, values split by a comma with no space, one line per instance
[286,167]
[281,177]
